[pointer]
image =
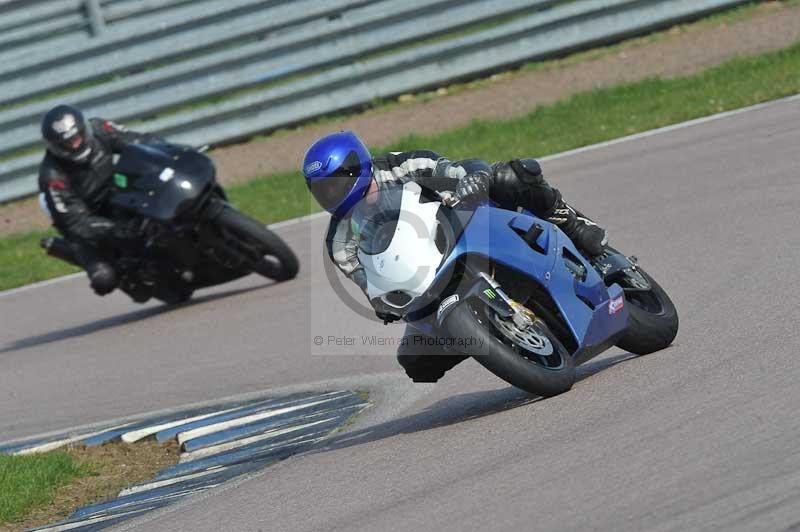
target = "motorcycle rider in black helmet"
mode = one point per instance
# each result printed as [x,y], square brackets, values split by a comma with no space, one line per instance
[75,179]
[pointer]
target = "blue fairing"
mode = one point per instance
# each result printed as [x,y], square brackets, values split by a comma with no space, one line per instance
[491,233]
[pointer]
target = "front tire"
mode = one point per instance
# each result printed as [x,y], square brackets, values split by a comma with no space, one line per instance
[174,295]
[493,348]
[278,262]
[653,322]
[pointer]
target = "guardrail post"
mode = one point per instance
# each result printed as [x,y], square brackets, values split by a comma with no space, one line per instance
[95,13]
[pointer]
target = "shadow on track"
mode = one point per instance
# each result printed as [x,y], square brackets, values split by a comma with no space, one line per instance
[462,408]
[120,320]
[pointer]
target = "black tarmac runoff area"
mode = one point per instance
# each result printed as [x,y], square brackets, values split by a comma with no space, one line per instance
[701,436]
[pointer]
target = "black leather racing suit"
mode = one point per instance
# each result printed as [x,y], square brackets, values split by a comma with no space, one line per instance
[76,194]
[519,183]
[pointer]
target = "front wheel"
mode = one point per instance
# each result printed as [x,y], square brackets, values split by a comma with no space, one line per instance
[530,358]
[276,260]
[173,295]
[653,322]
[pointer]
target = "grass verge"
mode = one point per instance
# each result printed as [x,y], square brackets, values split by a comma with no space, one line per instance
[583,119]
[44,488]
[22,261]
[30,481]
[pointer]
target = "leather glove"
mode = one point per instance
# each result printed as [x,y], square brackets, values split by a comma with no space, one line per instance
[384,312]
[473,185]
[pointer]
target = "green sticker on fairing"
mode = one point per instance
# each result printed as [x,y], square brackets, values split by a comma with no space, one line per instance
[121,180]
[490,293]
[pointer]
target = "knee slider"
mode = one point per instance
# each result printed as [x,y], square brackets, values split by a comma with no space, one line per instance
[102,278]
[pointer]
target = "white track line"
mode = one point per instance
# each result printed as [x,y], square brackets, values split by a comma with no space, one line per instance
[208,451]
[136,435]
[49,446]
[673,127]
[40,284]
[168,482]
[599,145]
[225,425]
[112,511]
[85,522]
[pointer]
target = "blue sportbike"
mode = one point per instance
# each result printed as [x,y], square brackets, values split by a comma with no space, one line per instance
[506,287]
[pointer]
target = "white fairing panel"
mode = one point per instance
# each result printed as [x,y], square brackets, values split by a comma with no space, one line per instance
[409,262]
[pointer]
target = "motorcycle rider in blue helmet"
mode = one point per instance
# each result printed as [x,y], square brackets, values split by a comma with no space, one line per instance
[340,172]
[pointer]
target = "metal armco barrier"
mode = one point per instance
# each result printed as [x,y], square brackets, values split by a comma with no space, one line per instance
[208,72]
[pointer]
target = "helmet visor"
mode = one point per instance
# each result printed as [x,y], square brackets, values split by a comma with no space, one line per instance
[73,144]
[76,148]
[332,190]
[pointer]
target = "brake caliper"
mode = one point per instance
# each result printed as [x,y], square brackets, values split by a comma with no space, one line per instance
[523,318]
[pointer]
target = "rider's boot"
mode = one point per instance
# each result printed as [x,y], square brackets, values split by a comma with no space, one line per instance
[586,234]
[423,359]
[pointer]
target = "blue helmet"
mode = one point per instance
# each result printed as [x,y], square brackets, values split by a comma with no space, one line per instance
[338,171]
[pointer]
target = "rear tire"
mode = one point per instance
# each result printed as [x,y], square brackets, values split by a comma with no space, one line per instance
[653,322]
[279,262]
[471,319]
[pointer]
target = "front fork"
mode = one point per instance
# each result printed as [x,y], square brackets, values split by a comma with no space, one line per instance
[489,291]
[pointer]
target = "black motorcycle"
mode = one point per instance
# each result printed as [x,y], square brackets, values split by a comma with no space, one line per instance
[191,236]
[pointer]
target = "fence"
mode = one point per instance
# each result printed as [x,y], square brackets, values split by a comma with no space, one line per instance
[209,72]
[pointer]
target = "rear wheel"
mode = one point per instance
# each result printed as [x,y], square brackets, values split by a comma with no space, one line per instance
[277,261]
[528,357]
[653,322]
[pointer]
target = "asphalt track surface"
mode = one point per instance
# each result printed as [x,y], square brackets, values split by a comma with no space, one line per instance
[701,436]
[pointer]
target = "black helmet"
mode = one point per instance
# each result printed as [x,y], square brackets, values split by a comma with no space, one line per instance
[67,134]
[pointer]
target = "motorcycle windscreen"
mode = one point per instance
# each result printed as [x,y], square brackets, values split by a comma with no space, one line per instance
[160,181]
[396,230]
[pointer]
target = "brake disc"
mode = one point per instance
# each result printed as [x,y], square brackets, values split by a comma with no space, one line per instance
[529,338]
